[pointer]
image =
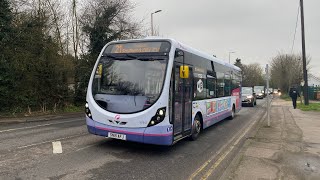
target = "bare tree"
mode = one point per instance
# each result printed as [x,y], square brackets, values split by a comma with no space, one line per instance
[286,70]
[48,10]
[54,6]
[105,21]
[75,29]
[252,75]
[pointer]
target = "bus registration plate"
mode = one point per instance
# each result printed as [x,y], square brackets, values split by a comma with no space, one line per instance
[117,136]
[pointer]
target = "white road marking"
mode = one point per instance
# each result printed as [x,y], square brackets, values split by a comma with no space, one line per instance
[224,155]
[240,135]
[59,139]
[41,125]
[56,147]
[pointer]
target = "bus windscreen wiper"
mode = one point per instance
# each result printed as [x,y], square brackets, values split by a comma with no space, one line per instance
[151,58]
[121,58]
[109,56]
[131,56]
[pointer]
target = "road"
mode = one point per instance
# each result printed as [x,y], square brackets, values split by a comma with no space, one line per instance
[26,151]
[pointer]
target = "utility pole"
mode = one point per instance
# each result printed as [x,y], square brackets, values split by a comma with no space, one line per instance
[268,98]
[305,74]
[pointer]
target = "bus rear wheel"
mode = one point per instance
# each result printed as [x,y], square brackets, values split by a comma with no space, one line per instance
[196,128]
[233,112]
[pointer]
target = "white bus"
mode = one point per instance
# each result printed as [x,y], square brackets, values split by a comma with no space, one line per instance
[159,91]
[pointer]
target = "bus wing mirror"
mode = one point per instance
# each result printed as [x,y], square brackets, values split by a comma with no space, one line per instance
[100,69]
[184,72]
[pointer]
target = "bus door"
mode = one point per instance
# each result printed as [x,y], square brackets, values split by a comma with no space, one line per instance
[182,103]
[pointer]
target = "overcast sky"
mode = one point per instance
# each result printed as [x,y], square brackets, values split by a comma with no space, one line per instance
[257,30]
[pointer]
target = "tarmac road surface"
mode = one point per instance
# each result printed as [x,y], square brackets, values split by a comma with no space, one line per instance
[26,151]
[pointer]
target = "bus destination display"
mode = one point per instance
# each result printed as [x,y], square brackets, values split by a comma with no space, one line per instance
[139,47]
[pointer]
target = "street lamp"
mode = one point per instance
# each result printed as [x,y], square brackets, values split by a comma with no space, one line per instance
[229,55]
[152,20]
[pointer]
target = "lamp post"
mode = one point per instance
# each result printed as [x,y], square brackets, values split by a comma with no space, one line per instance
[229,55]
[152,20]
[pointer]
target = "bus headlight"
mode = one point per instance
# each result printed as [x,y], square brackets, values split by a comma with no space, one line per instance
[161,112]
[87,110]
[158,117]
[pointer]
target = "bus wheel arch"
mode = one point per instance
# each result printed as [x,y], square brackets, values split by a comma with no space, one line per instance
[197,126]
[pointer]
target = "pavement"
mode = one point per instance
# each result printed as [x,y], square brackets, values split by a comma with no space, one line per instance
[288,149]
[11,120]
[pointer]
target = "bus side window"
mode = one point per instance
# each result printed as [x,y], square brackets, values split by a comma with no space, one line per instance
[220,84]
[211,85]
[227,84]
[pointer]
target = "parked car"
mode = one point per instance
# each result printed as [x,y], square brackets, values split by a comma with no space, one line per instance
[248,96]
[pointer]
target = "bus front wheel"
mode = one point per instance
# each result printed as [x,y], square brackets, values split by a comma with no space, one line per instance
[196,128]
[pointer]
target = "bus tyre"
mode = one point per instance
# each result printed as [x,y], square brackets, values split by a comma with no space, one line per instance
[233,112]
[196,128]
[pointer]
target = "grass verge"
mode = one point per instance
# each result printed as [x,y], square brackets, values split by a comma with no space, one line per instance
[310,107]
[34,113]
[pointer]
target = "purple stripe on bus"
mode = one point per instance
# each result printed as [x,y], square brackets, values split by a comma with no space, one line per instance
[134,133]
[167,134]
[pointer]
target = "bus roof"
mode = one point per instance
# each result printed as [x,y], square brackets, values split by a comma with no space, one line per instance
[182,46]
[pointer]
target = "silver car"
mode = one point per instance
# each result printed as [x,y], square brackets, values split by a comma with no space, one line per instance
[248,96]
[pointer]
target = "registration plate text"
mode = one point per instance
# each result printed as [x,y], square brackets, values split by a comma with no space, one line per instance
[117,136]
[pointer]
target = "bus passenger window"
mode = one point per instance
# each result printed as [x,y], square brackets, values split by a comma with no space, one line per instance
[227,85]
[220,84]
[211,85]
